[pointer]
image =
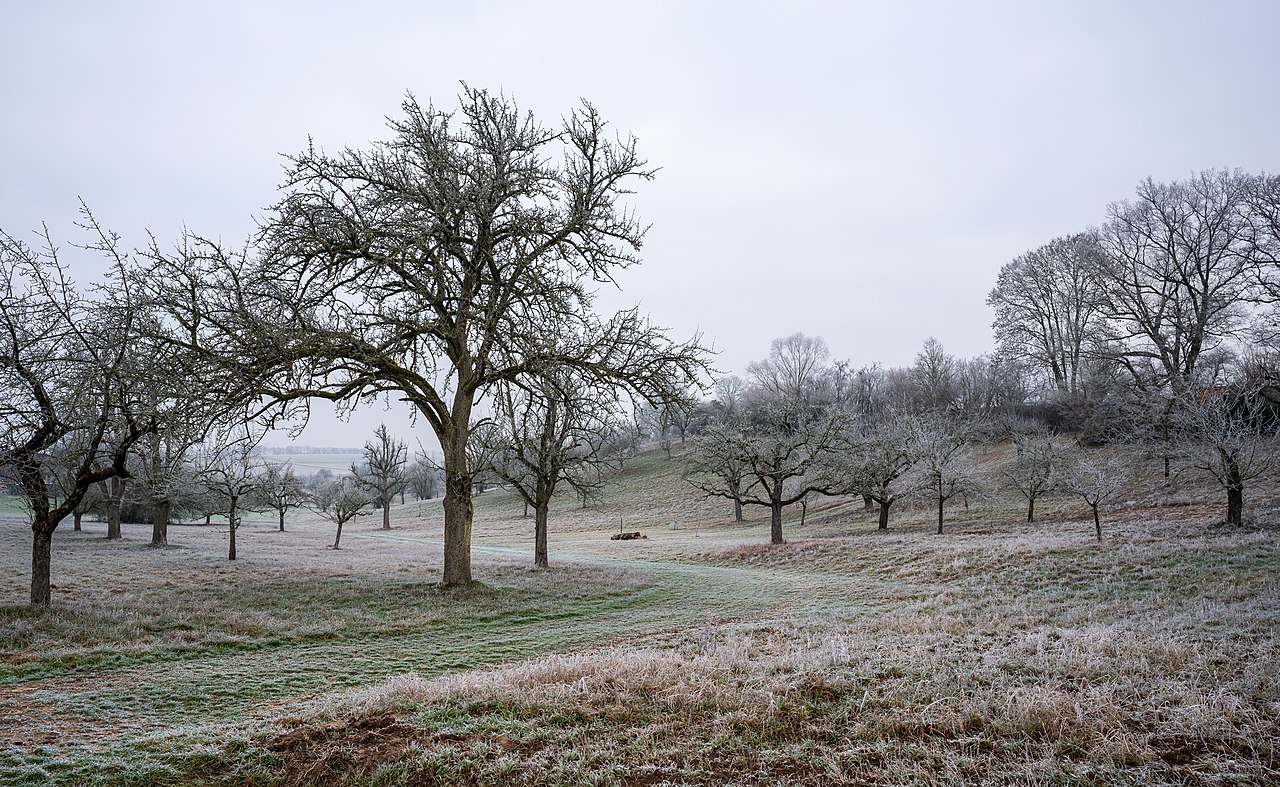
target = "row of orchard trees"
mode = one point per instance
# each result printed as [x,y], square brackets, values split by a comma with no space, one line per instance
[801,426]
[453,259]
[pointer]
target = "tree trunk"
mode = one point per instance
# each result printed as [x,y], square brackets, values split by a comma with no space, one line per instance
[737,510]
[115,498]
[775,523]
[1097,523]
[234,522]
[1235,487]
[540,512]
[526,509]
[804,510]
[41,550]
[75,520]
[386,513]
[160,521]
[1031,509]
[884,516]
[867,502]
[941,502]
[458,510]
[338,537]
[282,510]
[1235,505]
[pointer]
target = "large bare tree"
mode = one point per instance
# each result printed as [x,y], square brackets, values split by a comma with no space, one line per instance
[1048,305]
[432,266]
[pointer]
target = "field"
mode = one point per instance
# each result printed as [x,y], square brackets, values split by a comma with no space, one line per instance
[1000,652]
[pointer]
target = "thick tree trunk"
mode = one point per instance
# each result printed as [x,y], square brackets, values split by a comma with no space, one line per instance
[75,520]
[1235,504]
[41,550]
[775,523]
[884,516]
[458,510]
[737,510]
[386,513]
[941,502]
[867,503]
[115,499]
[1097,523]
[1031,509]
[160,522]
[804,511]
[540,512]
[282,522]
[338,537]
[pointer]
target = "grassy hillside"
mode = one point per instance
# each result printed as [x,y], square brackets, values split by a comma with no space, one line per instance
[999,652]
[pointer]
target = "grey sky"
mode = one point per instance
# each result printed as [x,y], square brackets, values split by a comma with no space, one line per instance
[854,170]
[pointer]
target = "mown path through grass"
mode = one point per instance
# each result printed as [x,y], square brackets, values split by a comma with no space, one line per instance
[98,706]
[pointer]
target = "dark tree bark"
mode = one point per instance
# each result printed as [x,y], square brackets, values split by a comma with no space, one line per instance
[160,521]
[883,524]
[540,536]
[775,522]
[115,500]
[942,501]
[337,537]
[41,552]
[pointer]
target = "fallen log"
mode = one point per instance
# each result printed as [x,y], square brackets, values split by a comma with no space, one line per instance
[627,536]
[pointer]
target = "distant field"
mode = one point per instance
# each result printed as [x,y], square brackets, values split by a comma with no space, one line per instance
[310,464]
[999,652]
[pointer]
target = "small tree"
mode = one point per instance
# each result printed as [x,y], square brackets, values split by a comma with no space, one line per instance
[1033,470]
[1095,479]
[281,489]
[1231,436]
[340,501]
[227,469]
[383,471]
[878,466]
[941,446]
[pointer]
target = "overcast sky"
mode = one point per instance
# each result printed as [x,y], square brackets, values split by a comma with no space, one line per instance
[858,171]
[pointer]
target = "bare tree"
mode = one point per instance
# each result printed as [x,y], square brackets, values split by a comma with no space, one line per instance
[383,470]
[878,464]
[1048,305]
[1180,267]
[1034,469]
[67,382]
[281,489]
[934,377]
[547,434]
[424,478]
[785,454]
[1231,434]
[435,265]
[941,448]
[227,469]
[341,500]
[1095,479]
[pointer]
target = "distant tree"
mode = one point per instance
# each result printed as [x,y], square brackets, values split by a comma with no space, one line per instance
[341,500]
[1180,268]
[1034,469]
[1048,305]
[545,435]
[1095,479]
[941,449]
[281,489]
[424,478]
[383,471]
[934,377]
[878,464]
[228,470]
[1231,435]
